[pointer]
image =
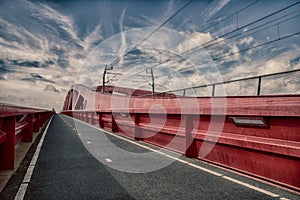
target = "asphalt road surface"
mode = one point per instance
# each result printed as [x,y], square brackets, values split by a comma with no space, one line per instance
[78,161]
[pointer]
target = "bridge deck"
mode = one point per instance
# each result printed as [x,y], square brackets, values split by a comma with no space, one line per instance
[76,161]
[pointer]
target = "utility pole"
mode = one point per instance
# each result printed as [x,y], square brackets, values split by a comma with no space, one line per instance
[103,78]
[152,84]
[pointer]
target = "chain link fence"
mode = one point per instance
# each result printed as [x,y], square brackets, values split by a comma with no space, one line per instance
[272,84]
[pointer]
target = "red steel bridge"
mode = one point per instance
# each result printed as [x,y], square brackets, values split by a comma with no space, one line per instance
[221,147]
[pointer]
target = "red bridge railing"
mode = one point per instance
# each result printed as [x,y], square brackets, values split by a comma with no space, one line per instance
[17,124]
[256,135]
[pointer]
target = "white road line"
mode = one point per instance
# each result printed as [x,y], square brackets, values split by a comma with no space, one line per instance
[108,160]
[250,186]
[21,192]
[28,174]
[283,198]
[35,157]
[23,187]
[187,163]
[204,169]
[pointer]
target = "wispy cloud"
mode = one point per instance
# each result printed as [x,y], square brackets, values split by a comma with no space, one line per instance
[213,8]
[44,60]
[41,52]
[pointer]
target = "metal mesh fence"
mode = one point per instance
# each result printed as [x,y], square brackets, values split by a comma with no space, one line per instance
[237,88]
[199,91]
[288,83]
[272,84]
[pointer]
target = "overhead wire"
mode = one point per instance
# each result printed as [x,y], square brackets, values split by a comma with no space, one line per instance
[229,16]
[215,39]
[259,26]
[150,34]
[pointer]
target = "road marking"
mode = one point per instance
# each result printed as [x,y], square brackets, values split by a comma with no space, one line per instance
[108,160]
[23,187]
[283,198]
[21,192]
[204,169]
[188,163]
[28,174]
[35,157]
[250,186]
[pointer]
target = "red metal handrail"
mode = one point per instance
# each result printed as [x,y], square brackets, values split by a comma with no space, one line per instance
[17,124]
[269,148]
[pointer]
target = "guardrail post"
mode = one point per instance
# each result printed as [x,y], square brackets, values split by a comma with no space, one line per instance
[190,143]
[114,127]
[27,136]
[101,124]
[36,125]
[137,131]
[87,119]
[81,116]
[7,149]
[41,119]
[93,118]
[90,116]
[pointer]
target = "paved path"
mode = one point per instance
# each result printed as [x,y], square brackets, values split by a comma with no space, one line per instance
[78,161]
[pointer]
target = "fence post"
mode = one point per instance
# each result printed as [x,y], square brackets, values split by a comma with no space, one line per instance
[27,136]
[258,86]
[190,143]
[7,149]
[137,130]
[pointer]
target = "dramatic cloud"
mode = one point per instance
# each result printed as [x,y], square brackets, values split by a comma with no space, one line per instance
[45,47]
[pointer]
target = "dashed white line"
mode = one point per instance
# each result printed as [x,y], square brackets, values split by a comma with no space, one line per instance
[23,187]
[283,198]
[189,163]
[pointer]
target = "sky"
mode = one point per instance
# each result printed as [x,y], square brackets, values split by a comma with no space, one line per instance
[46,46]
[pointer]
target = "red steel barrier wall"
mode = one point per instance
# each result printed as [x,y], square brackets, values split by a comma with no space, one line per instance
[17,124]
[270,150]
